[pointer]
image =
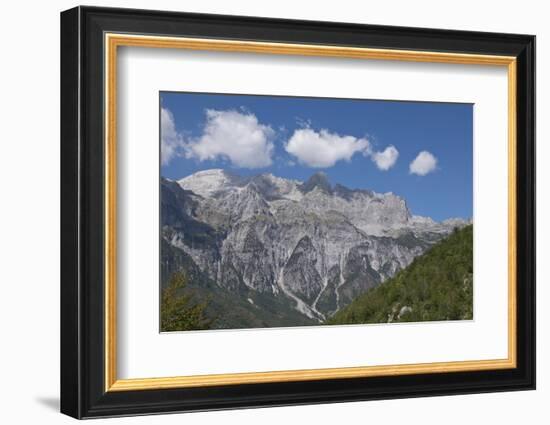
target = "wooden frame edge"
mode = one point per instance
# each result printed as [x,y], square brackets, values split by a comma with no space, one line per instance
[306,375]
[114,40]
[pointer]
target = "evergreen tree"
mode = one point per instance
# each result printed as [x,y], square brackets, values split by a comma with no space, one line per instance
[179,311]
[437,285]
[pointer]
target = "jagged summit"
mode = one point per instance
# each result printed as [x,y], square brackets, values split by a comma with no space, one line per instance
[381,214]
[318,180]
[207,182]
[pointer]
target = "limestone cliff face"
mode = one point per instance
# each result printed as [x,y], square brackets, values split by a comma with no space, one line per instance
[313,245]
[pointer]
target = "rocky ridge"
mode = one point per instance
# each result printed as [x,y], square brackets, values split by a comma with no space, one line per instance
[309,245]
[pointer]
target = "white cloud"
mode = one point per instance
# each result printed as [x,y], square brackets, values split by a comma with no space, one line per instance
[240,138]
[236,136]
[386,159]
[323,149]
[423,164]
[171,141]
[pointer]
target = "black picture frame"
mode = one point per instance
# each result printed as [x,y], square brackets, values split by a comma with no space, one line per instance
[83,392]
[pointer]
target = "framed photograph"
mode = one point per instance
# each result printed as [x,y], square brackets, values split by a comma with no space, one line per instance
[261,212]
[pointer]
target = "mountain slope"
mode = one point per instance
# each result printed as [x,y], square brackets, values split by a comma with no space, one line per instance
[436,286]
[229,309]
[308,248]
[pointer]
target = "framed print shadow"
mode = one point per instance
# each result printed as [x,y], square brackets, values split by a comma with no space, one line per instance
[261,212]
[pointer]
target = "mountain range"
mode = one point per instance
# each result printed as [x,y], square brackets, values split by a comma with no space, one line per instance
[268,251]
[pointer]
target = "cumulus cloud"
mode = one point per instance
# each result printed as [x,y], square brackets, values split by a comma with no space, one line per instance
[423,164]
[386,159]
[233,135]
[171,141]
[323,149]
[238,137]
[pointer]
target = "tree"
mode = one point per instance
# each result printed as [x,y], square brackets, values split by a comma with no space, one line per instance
[179,311]
[437,285]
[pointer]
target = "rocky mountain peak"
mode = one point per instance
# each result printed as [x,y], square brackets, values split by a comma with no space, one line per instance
[318,180]
[206,183]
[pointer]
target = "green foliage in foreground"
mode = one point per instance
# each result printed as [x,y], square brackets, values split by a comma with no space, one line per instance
[227,309]
[436,286]
[178,310]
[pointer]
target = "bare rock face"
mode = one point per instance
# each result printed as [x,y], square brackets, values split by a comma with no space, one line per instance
[300,273]
[313,245]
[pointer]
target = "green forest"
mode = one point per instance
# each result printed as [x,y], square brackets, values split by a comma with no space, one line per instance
[437,285]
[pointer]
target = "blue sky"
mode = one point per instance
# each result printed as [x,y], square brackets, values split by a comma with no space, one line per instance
[419,150]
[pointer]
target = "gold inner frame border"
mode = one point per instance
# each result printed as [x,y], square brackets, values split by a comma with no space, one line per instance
[111,43]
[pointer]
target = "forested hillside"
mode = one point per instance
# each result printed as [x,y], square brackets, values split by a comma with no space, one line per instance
[437,285]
